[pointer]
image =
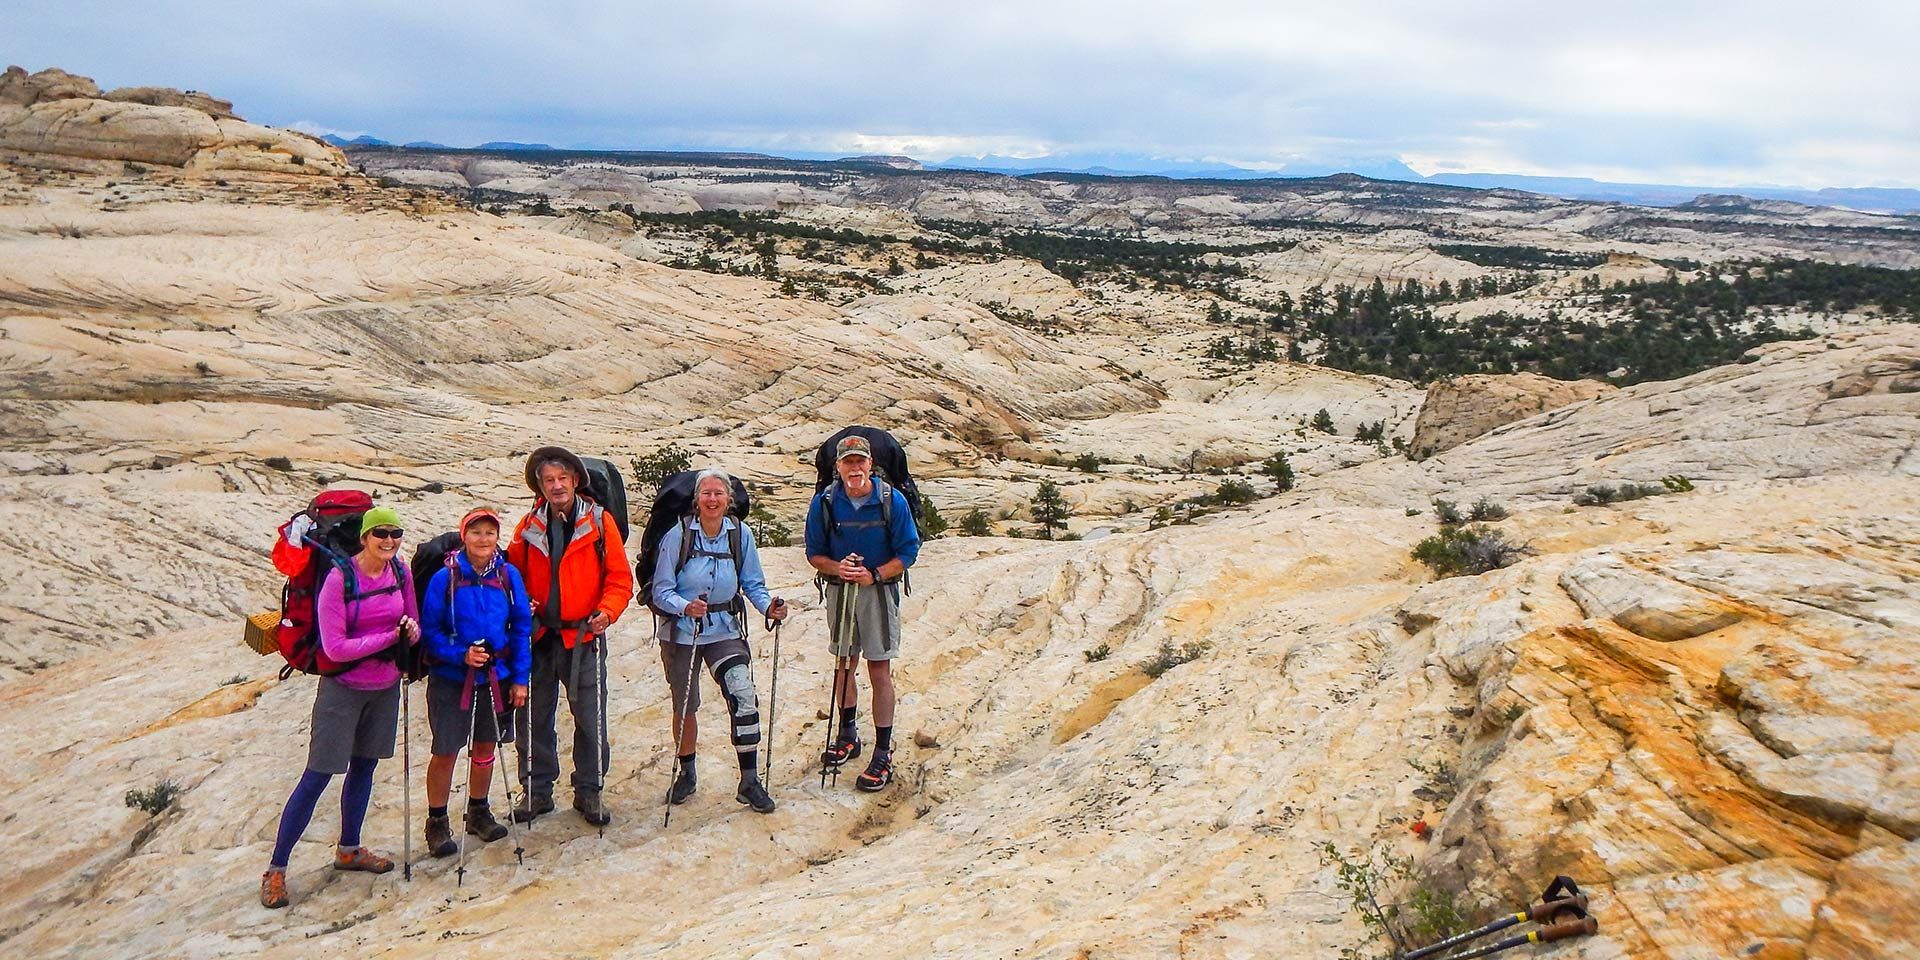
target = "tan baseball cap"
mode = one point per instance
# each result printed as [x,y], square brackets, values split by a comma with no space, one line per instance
[854,446]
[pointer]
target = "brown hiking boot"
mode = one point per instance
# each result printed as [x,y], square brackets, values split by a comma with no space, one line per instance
[440,837]
[480,823]
[273,889]
[361,858]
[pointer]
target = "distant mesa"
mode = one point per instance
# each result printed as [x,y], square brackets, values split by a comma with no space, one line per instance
[56,120]
[362,140]
[512,145]
[897,162]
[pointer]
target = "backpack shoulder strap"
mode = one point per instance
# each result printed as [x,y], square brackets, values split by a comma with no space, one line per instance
[885,492]
[734,537]
[594,513]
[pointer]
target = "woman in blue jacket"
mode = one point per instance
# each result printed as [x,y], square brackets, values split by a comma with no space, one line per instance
[477,626]
[706,599]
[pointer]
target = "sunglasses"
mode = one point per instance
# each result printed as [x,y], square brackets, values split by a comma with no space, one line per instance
[387,533]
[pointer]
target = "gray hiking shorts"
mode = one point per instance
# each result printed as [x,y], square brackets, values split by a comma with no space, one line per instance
[449,722]
[677,660]
[350,723]
[876,619]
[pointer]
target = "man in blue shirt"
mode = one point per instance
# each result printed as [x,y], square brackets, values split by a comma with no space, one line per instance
[861,547]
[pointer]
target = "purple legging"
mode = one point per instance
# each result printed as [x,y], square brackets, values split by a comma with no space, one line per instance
[306,795]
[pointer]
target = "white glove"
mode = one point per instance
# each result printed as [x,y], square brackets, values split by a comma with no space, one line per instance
[297,530]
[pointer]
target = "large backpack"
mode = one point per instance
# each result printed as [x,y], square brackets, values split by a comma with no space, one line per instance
[673,504]
[609,490]
[329,544]
[443,553]
[889,462]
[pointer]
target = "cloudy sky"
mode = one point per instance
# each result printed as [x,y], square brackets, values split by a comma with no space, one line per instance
[1757,93]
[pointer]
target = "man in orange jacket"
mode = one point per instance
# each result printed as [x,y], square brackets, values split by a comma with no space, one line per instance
[574,602]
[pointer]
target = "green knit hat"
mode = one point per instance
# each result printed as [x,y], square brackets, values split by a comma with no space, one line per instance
[380,517]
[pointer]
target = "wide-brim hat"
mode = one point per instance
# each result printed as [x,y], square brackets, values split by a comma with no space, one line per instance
[561,454]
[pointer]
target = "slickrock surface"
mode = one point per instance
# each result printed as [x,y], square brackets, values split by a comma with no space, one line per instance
[1460,408]
[1704,706]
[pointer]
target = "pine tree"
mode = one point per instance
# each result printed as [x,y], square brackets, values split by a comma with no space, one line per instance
[1050,509]
[1323,421]
[1280,470]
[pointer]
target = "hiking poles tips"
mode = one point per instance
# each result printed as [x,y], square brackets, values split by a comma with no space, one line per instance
[773,702]
[406,781]
[680,708]
[506,786]
[473,713]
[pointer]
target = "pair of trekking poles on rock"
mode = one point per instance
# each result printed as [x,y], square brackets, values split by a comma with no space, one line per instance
[522,726]
[1561,912]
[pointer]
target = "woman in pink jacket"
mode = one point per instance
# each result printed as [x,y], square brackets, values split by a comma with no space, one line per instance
[367,615]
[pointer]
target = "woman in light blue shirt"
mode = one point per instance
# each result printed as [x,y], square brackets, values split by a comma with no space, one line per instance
[707,570]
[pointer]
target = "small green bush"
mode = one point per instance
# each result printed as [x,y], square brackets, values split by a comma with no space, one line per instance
[1448,513]
[1323,421]
[1485,509]
[156,798]
[1601,493]
[1677,484]
[651,469]
[1170,656]
[1088,463]
[976,523]
[1098,653]
[1467,551]
[1234,492]
[1278,468]
[767,529]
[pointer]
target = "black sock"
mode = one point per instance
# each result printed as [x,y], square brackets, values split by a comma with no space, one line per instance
[882,739]
[477,803]
[749,761]
[847,715]
[686,763]
[436,811]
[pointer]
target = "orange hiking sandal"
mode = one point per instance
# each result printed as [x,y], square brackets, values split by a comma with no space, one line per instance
[273,889]
[361,858]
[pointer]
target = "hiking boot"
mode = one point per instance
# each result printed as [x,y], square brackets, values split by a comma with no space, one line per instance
[587,801]
[844,749]
[362,859]
[684,783]
[878,774]
[273,889]
[539,803]
[480,823]
[440,838]
[754,795]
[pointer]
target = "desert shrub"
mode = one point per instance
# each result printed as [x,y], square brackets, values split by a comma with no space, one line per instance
[1369,880]
[1467,550]
[932,524]
[156,798]
[1323,421]
[1601,493]
[1233,492]
[1098,653]
[1088,463]
[1375,432]
[768,530]
[1448,513]
[1278,468]
[1170,656]
[1485,509]
[279,463]
[1676,484]
[976,523]
[649,470]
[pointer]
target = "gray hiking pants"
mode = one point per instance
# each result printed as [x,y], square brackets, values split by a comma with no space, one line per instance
[554,666]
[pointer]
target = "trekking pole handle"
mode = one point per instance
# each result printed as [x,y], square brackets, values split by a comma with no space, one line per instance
[1551,911]
[1566,929]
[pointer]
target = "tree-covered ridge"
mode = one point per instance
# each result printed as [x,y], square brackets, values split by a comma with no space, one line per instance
[1670,328]
[1524,258]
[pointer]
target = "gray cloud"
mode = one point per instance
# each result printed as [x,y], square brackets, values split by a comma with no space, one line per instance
[1756,93]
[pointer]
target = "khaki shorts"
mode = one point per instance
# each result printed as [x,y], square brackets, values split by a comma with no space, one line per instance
[876,621]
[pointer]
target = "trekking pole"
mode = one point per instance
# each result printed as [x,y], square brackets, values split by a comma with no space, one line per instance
[842,672]
[473,712]
[522,731]
[680,709]
[506,786]
[1560,931]
[406,780]
[1538,913]
[773,697]
[600,750]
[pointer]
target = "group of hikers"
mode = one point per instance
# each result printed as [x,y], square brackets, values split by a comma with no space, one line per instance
[500,630]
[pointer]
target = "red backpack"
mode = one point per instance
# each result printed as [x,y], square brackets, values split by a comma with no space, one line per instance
[330,538]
